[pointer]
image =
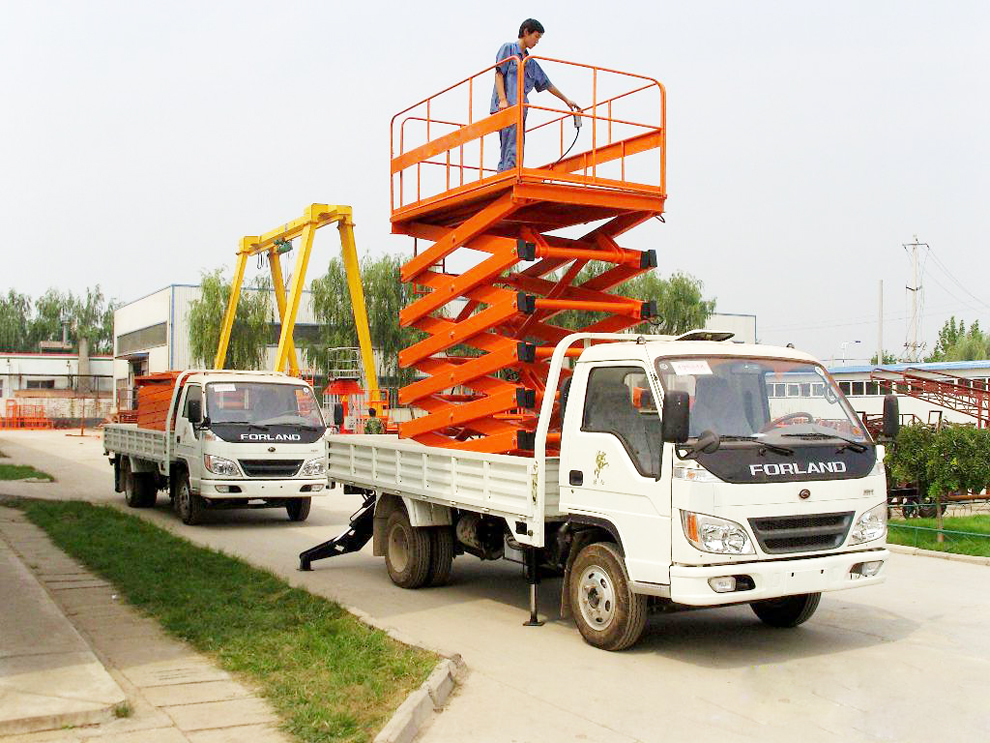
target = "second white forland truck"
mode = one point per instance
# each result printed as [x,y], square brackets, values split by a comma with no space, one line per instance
[692,472]
[231,439]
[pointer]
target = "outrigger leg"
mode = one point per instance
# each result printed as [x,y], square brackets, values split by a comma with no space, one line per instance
[353,539]
[533,578]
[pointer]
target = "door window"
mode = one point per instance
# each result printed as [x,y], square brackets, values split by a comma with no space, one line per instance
[619,401]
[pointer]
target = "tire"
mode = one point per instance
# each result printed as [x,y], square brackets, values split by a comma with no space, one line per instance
[441,555]
[140,489]
[298,508]
[407,551]
[188,507]
[789,611]
[607,613]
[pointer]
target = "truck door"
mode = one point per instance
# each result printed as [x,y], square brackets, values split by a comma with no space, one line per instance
[187,437]
[610,463]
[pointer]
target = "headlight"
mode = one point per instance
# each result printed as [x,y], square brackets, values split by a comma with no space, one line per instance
[711,534]
[693,474]
[314,468]
[221,466]
[871,525]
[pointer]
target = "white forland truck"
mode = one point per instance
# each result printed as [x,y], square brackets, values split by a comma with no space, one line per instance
[753,481]
[232,439]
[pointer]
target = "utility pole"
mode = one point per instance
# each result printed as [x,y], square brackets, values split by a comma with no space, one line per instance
[911,345]
[880,327]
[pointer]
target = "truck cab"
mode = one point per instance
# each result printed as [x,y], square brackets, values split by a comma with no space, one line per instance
[771,487]
[231,439]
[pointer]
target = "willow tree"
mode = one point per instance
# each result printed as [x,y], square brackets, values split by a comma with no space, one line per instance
[251,333]
[384,295]
[15,312]
[681,305]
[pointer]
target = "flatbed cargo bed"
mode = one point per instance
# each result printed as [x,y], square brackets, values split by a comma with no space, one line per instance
[498,484]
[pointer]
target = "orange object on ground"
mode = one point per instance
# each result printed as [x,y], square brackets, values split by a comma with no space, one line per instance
[494,277]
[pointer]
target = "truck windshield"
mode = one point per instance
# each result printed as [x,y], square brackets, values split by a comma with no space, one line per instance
[766,399]
[262,404]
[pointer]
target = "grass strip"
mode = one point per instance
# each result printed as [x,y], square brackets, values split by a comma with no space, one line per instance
[22,472]
[963,535]
[330,677]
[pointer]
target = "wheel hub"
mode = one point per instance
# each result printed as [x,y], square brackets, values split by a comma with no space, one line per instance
[597,598]
[398,549]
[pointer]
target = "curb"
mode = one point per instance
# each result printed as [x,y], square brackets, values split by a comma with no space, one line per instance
[429,698]
[409,719]
[971,559]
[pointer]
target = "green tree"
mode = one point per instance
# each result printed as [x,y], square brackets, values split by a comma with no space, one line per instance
[50,309]
[680,304]
[251,332]
[957,343]
[888,358]
[15,313]
[385,296]
[92,319]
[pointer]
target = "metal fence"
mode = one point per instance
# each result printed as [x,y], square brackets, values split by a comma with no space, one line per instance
[927,537]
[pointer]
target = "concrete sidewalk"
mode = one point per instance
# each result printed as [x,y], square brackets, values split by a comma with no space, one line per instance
[49,677]
[78,664]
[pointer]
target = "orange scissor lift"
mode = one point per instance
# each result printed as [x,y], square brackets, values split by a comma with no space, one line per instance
[493,275]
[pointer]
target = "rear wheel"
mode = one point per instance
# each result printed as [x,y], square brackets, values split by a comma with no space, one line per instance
[607,613]
[140,489]
[407,551]
[441,555]
[789,611]
[298,508]
[188,506]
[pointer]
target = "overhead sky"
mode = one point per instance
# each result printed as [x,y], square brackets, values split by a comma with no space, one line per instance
[807,141]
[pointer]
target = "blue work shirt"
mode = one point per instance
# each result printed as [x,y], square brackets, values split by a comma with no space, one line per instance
[535,77]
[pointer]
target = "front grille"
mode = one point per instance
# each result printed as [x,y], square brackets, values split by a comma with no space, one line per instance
[781,534]
[270,467]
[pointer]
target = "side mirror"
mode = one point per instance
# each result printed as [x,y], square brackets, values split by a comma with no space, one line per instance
[891,416]
[338,414]
[675,416]
[195,411]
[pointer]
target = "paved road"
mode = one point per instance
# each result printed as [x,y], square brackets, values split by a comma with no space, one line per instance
[905,661]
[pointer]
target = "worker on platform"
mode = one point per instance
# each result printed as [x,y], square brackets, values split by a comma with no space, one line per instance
[506,84]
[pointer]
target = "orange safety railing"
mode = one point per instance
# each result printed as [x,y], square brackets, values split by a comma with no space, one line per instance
[24,415]
[499,287]
[447,145]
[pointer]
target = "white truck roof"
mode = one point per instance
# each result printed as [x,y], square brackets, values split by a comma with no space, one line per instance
[204,376]
[672,347]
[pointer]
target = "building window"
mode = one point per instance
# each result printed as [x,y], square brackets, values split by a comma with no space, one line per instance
[40,384]
[872,388]
[137,340]
[818,390]
[846,388]
[806,389]
[858,389]
[793,390]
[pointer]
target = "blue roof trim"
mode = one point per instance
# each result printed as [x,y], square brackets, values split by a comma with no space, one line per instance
[946,366]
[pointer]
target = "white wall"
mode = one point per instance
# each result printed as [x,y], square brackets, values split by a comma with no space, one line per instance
[744,326]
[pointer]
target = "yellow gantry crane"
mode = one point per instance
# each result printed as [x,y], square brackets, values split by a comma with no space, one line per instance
[314,217]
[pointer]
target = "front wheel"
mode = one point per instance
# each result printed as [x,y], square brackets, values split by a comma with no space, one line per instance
[607,613]
[789,611]
[188,506]
[298,508]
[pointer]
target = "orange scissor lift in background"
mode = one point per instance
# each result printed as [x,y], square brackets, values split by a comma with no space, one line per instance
[494,275]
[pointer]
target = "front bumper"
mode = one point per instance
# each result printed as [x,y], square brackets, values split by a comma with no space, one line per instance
[217,489]
[774,578]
